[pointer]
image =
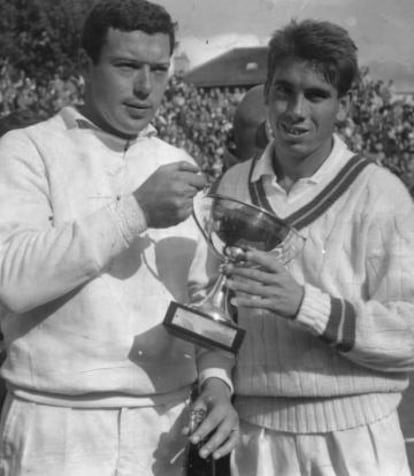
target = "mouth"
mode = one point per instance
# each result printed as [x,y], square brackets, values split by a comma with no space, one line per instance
[138,108]
[294,130]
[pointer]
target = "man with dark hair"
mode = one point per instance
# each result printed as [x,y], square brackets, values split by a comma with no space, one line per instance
[330,332]
[96,239]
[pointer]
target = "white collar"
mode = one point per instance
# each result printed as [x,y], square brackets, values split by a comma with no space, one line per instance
[75,120]
[336,159]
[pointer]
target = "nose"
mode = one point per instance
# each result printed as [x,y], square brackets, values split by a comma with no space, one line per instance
[298,105]
[142,82]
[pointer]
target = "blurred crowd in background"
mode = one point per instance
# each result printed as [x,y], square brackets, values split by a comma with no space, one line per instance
[380,125]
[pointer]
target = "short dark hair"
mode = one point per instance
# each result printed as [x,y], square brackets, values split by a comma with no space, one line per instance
[325,45]
[124,15]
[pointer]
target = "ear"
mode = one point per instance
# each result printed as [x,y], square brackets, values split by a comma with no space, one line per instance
[344,107]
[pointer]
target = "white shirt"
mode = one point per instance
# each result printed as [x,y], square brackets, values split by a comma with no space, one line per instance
[85,284]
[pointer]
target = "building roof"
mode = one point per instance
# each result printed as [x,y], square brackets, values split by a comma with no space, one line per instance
[238,67]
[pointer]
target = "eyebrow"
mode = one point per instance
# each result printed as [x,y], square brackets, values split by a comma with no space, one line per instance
[319,90]
[136,61]
[132,59]
[314,88]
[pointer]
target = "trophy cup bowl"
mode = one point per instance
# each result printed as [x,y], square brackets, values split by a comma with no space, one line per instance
[229,226]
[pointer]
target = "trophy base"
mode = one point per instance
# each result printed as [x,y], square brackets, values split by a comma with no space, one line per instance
[192,325]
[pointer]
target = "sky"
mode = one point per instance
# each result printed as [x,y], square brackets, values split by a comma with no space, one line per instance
[382,29]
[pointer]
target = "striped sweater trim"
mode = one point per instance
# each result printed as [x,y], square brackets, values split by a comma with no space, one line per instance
[340,330]
[253,189]
[316,207]
[339,184]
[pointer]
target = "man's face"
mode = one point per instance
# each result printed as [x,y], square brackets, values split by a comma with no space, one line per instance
[303,108]
[125,88]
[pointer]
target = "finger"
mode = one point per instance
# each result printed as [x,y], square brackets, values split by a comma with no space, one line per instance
[218,427]
[270,265]
[266,260]
[243,284]
[185,166]
[221,443]
[211,423]
[253,302]
[254,275]
[195,181]
[249,289]
[203,430]
[229,445]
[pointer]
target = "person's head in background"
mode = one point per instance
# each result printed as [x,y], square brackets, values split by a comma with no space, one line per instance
[311,68]
[250,132]
[127,47]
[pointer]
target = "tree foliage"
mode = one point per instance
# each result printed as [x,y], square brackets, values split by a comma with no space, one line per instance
[41,36]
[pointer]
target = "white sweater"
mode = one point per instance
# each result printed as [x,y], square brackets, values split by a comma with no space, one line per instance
[343,361]
[84,283]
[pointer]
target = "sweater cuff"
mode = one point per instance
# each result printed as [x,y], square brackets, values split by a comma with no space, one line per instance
[214,363]
[315,310]
[215,373]
[341,327]
[129,217]
[332,319]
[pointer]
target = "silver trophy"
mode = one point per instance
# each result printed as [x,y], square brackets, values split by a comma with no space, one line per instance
[229,227]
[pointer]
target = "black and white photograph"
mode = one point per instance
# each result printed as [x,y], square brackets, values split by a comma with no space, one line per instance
[206,238]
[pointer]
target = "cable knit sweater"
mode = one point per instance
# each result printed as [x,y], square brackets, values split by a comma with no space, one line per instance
[343,361]
[84,283]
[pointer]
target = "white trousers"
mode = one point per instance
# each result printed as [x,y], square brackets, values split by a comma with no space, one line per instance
[42,440]
[373,450]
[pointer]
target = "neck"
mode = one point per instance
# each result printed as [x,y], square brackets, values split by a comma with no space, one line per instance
[289,168]
[94,119]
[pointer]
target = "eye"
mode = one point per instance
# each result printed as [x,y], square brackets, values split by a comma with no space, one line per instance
[125,67]
[316,95]
[281,90]
[160,68]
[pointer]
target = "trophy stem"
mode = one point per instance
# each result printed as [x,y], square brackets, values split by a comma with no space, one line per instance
[215,303]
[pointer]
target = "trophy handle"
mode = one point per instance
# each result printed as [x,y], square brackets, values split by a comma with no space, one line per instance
[205,235]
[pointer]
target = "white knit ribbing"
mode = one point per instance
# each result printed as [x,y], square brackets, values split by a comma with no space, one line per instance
[314,311]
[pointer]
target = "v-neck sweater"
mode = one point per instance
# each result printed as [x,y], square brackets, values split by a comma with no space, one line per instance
[343,361]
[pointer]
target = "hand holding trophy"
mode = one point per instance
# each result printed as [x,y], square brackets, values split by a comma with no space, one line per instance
[229,227]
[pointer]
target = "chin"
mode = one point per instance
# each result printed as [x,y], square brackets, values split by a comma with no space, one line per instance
[296,148]
[134,128]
